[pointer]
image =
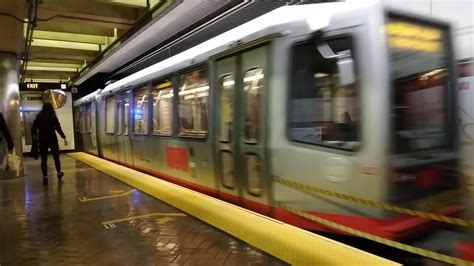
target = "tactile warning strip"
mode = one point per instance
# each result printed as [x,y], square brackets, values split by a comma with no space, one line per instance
[286,242]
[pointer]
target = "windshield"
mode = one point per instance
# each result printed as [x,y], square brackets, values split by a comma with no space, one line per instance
[418,64]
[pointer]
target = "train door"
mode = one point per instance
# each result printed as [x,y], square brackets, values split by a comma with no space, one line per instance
[241,132]
[123,139]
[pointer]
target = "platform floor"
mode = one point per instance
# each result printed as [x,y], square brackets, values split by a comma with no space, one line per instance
[91,218]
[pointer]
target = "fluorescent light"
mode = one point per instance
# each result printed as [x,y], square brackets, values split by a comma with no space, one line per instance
[254,77]
[53,64]
[167,96]
[44,80]
[195,90]
[320,75]
[65,45]
[57,69]
[199,95]
[228,83]
[69,37]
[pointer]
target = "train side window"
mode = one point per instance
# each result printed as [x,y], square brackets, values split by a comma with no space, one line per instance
[227,107]
[140,112]
[193,104]
[110,115]
[322,112]
[163,109]
[81,119]
[253,174]
[119,118]
[88,118]
[227,170]
[126,110]
[77,119]
[253,85]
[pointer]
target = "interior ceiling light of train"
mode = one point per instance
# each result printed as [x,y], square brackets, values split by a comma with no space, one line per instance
[64,36]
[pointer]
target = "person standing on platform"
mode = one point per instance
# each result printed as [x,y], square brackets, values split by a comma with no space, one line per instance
[44,132]
[6,134]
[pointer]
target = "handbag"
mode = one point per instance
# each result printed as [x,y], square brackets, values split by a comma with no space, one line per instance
[35,150]
[14,162]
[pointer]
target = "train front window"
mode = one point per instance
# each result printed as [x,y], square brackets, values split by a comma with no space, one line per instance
[418,64]
[322,111]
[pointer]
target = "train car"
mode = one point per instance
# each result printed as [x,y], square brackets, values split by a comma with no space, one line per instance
[353,98]
[85,124]
[466,114]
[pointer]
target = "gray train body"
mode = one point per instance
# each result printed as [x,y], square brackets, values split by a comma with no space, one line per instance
[303,93]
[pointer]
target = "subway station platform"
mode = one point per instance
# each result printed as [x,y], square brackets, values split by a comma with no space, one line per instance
[93,218]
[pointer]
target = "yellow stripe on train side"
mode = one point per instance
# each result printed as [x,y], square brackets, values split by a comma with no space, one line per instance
[375,204]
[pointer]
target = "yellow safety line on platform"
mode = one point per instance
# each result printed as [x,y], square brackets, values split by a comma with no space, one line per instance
[166,214]
[373,203]
[412,249]
[84,199]
[286,242]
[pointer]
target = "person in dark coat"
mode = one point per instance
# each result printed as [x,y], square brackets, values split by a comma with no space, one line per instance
[6,134]
[44,132]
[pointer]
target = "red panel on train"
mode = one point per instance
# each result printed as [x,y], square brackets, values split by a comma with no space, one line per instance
[177,158]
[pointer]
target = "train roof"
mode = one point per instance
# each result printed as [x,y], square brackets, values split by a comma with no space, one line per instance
[88,98]
[316,16]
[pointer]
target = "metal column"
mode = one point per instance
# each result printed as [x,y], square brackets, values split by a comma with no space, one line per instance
[10,105]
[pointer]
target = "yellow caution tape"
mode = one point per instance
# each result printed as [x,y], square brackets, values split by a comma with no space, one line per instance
[391,243]
[376,204]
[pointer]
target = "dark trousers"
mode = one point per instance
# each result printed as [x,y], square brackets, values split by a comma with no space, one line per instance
[44,147]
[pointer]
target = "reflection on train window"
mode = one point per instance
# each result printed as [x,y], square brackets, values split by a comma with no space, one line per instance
[322,111]
[193,101]
[82,117]
[110,115]
[253,174]
[163,109]
[119,118]
[126,110]
[227,108]
[88,118]
[77,119]
[140,113]
[253,85]
[227,168]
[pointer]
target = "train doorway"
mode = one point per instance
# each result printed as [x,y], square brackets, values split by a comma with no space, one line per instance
[241,132]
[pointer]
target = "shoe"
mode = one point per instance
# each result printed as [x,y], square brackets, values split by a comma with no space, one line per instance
[60,175]
[45,181]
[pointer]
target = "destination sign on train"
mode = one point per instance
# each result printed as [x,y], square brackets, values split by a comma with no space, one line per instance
[410,36]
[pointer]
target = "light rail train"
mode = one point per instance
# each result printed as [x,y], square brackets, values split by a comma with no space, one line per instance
[353,98]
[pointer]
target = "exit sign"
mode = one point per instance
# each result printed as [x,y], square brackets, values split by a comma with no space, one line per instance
[32,85]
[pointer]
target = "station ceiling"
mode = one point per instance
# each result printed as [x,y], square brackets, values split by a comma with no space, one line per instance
[69,34]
